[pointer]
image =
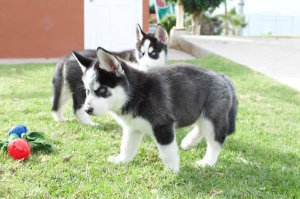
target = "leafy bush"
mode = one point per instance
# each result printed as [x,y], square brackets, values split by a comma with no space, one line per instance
[168,22]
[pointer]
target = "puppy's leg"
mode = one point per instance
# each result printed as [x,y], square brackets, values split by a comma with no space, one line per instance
[167,146]
[131,140]
[78,101]
[83,117]
[60,98]
[192,138]
[213,146]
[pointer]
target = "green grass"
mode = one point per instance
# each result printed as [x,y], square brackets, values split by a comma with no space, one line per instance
[262,159]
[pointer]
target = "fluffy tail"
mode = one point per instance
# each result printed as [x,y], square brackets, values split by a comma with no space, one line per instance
[57,83]
[232,114]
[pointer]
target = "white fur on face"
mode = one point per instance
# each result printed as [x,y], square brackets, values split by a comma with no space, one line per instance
[101,105]
[146,62]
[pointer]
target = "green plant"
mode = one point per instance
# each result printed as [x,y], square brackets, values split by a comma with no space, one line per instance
[168,22]
[197,8]
[232,22]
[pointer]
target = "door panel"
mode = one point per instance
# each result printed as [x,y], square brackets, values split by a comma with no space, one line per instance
[111,23]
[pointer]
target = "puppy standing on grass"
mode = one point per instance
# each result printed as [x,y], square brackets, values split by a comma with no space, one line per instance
[151,51]
[157,102]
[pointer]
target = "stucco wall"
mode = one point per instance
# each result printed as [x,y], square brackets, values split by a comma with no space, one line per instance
[44,28]
[40,28]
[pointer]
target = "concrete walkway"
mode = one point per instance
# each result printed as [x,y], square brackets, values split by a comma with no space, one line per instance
[277,58]
[174,54]
[27,60]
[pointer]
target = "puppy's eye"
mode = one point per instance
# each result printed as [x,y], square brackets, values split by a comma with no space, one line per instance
[101,91]
[153,54]
[87,92]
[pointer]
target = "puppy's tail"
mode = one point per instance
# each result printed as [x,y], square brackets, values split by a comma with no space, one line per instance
[57,83]
[232,113]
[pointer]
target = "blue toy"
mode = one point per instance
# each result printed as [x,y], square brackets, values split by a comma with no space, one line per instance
[18,130]
[36,140]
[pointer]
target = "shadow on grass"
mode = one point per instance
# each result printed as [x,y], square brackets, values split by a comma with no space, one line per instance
[274,172]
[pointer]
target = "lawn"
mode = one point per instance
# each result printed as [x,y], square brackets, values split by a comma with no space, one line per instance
[261,159]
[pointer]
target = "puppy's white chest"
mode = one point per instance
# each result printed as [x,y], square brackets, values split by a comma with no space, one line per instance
[135,123]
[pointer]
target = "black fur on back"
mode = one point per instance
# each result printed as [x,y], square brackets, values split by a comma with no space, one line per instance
[128,55]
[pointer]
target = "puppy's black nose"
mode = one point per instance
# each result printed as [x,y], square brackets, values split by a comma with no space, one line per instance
[89,111]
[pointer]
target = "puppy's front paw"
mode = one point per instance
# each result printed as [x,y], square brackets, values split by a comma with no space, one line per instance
[174,169]
[116,159]
[185,145]
[205,162]
[94,124]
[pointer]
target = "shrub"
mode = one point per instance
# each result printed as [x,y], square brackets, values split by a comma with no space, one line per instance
[168,22]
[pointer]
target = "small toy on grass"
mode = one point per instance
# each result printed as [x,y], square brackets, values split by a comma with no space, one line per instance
[19,149]
[20,142]
[18,129]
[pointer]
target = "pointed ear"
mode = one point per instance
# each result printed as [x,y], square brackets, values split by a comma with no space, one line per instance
[84,62]
[161,34]
[139,32]
[108,61]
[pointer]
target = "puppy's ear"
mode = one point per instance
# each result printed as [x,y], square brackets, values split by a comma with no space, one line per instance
[109,62]
[161,34]
[139,33]
[84,62]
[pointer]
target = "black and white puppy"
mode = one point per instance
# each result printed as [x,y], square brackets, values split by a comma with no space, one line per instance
[151,51]
[158,101]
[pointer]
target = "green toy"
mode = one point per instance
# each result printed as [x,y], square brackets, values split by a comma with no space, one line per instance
[36,140]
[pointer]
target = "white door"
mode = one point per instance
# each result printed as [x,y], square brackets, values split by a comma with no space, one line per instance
[111,23]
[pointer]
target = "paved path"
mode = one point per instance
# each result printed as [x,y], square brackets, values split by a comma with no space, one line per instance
[277,58]
[174,54]
[27,60]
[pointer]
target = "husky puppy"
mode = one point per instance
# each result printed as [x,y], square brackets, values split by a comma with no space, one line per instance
[158,101]
[151,51]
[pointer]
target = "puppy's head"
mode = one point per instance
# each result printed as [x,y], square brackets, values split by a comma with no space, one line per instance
[151,49]
[105,82]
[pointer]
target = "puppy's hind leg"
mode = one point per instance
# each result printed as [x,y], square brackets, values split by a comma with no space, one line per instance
[213,146]
[61,95]
[192,138]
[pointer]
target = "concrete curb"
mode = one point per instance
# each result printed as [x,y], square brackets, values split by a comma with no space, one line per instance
[27,61]
[192,49]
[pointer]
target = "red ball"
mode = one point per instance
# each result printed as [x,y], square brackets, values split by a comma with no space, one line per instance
[19,149]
